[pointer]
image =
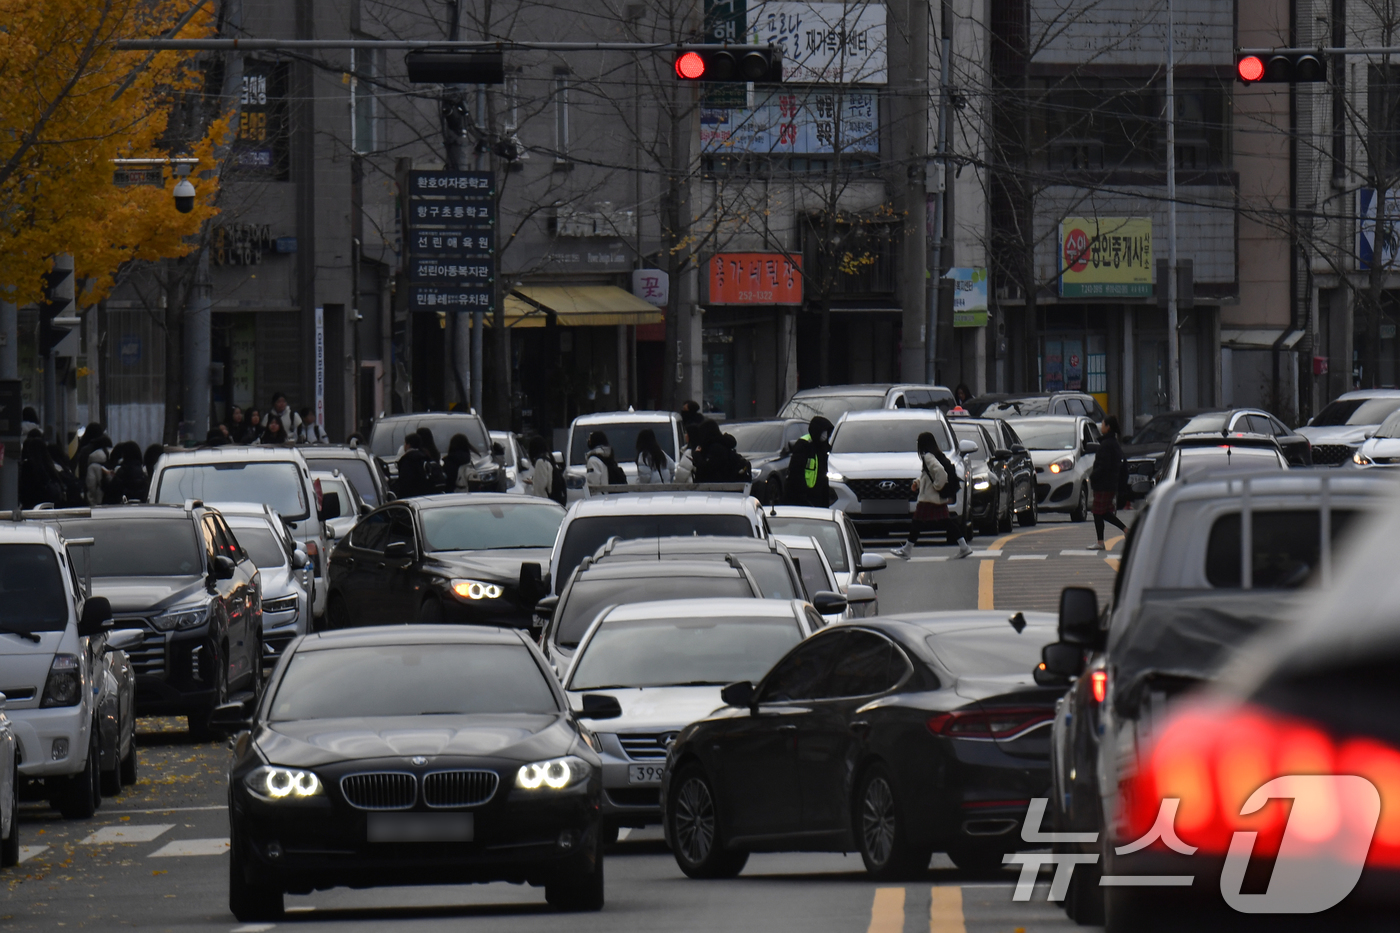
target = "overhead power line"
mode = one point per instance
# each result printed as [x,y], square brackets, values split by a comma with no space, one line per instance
[474,45]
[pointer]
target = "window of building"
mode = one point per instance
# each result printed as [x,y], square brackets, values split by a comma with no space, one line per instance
[364,72]
[1383,104]
[562,81]
[512,102]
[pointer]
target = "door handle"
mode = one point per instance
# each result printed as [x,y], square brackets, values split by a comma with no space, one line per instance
[787,727]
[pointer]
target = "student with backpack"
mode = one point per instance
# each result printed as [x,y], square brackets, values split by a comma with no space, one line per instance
[602,465]
[937,485]
[459,466]
[545,480]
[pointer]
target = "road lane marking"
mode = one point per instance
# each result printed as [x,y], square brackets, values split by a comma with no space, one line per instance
[254,928]
[108,835]
[1112,542]
[1028,557]
[164,810]
[1000,543]
[945,911]
[989,552]
[985,596]
[28,852]
[183,847]
[887,911]
[1112,562]
[928,560]
[1080,552]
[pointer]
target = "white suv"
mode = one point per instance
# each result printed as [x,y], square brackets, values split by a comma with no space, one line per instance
[52,639]
[621,428]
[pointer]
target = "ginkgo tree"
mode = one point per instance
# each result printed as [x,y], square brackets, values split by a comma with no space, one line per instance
[72,104]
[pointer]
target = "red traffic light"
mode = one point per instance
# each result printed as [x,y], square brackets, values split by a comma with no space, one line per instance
[1251,69]
[690,66]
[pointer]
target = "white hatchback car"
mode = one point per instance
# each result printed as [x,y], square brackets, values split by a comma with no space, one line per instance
[283,568]
[1059,446]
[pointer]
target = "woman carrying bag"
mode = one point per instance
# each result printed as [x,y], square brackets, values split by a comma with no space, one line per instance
[936,486]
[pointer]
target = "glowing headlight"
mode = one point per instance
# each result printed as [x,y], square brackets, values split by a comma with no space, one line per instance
[554,774]
[475,589]
[833,477]
[981,482]
[1063,465]
[273,783]
[1360,459]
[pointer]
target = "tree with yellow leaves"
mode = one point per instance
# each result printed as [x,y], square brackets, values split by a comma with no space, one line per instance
[72,104]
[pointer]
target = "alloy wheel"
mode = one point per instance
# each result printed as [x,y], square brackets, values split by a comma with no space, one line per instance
[877,820]
[695,820]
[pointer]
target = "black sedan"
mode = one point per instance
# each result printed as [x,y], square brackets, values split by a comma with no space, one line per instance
[893,737]
[411,755]
[464,558]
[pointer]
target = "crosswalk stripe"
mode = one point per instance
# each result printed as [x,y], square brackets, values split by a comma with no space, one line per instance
[183,847]
[887,911]
[109,835]
[1028,557]
[945,911]
[254,928]
[28,852]
[1080,552]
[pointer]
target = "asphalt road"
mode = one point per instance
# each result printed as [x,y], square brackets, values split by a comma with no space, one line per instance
[155,858]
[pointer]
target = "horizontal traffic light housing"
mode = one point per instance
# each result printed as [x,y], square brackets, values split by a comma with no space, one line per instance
[455,66]
[734,64]
[1281,68]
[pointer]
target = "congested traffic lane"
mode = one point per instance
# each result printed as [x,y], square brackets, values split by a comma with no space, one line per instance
[177,876]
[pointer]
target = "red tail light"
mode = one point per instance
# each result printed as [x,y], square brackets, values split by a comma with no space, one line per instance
[1212,759]
[1098,682]
[988,724]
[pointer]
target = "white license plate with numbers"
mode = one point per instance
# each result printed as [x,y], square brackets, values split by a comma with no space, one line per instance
[644,774]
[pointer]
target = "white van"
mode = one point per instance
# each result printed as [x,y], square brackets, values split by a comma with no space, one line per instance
[52,642]
[275,476]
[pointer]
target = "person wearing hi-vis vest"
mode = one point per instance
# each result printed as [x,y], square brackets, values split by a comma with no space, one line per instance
[806,477]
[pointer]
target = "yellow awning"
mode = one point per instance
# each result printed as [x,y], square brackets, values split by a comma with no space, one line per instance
[578,306]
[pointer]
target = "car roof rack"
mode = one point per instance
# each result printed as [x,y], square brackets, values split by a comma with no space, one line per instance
[192,504]
[46,512]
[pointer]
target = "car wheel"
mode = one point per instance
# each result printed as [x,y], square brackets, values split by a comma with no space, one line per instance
[1081,508]
[337,615]
[111,781]
[978,859]
[430,613]
[580,890]
[1030,516]
[883,833]
[250,902]
[79,797]
[1004,522]
[129,767]
[695,829]
[9,849]
[1084,899]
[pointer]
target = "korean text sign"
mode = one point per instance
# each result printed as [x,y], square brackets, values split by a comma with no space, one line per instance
[755,279]
[1106,257]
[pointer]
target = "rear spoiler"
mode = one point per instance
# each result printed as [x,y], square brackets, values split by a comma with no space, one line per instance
[741,488]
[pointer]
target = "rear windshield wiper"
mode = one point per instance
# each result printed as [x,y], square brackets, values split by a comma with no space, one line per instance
[22,634]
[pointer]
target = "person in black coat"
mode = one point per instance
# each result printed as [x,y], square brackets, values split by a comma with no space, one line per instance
[716,459]
[129,482]
[413,478]
[1103,479]
[806,482]
[460,453]
[38,475]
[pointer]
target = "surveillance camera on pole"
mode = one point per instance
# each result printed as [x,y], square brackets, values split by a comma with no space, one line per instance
[184,196]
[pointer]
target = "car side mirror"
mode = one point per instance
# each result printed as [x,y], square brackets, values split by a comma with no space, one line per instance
[1001,453]
[124,639]
[828,603]
[230,719]
[531,580]
[223,567]
[398,550]
[1079,617]
[1141,487]
[600,706]
[1018,448]
[870,561]
[544,611]
[1062,660]
[860,593]
[299,559]
[97,617]
[738,695]
[967,447]
[330,506]
[1092,448]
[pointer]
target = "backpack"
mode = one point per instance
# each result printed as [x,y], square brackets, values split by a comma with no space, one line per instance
[949,489]
[557,490]
[432,472]
[616,477]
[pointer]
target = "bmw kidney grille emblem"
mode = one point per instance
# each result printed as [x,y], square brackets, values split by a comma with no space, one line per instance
[418,760]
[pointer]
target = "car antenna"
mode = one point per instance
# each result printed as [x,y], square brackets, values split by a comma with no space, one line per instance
[1018,621]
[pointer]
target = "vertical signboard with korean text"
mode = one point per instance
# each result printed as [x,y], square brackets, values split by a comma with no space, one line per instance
[451,242]
[969,296]
[1106,257]
[260,146]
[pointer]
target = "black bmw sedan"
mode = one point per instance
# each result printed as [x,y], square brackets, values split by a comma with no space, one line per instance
[411,755]
[896,738]
[473,558]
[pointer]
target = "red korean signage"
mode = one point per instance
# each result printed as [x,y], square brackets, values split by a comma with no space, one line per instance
[755,279]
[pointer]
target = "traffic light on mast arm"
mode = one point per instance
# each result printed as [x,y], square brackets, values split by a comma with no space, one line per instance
[1283,68]
[735,64]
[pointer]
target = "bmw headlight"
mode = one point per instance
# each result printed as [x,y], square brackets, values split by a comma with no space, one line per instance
[554,774]
[981,482]
[1062,465]
[475,589]
[271,782]
[182,618]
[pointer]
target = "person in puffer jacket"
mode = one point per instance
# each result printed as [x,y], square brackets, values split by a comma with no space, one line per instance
[602,466]
[931,509]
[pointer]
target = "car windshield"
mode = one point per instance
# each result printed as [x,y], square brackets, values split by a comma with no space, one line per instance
[762,437]
[262,546]
[991,653]
[138,547]
[622,438]
[1390,427]
[355,470]
[1213,422]
[411,680]
[491,526]
[826,531]
[830,407]
[969,432]
[1014,406]
[1037,434]
[886,436]
[669,652]
[770,572]
[1161,430]
[809,565]
[585,535]
[387,438]
[32,597]
[276,483]
[588,597]
[1356,411]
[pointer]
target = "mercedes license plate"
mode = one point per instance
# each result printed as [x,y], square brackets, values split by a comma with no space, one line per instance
[421,827]
[644,774]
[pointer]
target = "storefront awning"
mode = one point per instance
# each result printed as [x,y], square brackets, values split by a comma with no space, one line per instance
[1261,339]
[578,306]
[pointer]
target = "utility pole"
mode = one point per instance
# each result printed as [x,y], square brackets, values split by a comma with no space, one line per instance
[478,335]
[1173,338]
[9,369]
[941,171]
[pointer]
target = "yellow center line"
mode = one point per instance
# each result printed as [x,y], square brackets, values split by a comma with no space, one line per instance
[945,911]
[887,912]
[1112,562]
[984,584]
[1112,543]
[1001,542]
